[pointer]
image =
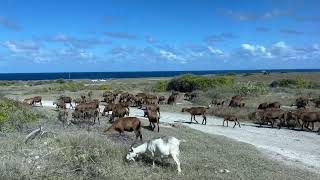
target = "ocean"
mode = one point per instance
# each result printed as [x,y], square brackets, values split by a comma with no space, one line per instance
[113,75]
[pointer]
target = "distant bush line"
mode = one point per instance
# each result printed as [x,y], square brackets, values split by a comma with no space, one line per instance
[188,83]
[294,83]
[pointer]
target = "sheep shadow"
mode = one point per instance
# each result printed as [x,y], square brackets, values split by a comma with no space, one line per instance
[146,159]
[123,138]
[149,128]
[188,122]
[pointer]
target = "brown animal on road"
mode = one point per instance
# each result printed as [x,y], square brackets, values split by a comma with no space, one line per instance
[309,117]
[197,111]
[127,124]
[271,115]
[28,101]
[172,99]
[66,100]
[274,105]
[231,118]
[60,104]
[161,100]
[263,106]
[153,117]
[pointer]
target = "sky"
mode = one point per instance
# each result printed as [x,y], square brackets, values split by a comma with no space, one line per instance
[158,35]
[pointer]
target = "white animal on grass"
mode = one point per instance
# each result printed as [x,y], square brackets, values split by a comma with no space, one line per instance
[164,146]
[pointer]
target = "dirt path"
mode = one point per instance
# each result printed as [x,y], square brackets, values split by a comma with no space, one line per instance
[292,147]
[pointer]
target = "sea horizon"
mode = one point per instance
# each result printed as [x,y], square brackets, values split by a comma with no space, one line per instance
[133,74]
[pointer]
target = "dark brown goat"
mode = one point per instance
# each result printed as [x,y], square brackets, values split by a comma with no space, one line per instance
[236,103]
[172,99]
[153,117]
[119,111]
[60,104]
[197,111]
[66,100]
[309,117]
[231,118]
[161,100]
[127,124]
[271,115]
[107,109]
[263,106]
[217,102]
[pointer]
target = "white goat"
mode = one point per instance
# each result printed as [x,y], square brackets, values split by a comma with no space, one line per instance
[164,146]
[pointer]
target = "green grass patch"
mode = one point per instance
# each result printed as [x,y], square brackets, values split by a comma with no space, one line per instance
[299,83]
[160,86]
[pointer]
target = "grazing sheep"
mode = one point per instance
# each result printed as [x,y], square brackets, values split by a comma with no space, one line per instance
[231,118]
[107,109]
[236,103]
[127,124]
[164,146]
[197,111]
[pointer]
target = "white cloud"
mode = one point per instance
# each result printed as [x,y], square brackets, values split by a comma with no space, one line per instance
[171,56]
[256,50]
[215,51]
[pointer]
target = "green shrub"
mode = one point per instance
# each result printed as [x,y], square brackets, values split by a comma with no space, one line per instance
[251,89]
[72,86]
[104,87]
[15,115]
[60,81]
[160,86]
[294,83]
[188,83]
[6,83]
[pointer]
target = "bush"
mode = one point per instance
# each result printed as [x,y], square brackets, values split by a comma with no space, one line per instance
[15,115]
[60,81]
[72,86]
[160,86]
[6,83]
[188,83]
[251,89]
[294,83]
[104,87]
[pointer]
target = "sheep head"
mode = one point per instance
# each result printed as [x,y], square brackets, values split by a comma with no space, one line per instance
[131,155]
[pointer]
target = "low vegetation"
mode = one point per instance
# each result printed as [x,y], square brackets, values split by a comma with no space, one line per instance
[189,83]
[15,115]
[294,83]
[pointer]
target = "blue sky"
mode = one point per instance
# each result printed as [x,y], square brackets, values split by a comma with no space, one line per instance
[153,35]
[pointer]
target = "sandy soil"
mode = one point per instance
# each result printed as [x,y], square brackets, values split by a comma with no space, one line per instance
[297,148]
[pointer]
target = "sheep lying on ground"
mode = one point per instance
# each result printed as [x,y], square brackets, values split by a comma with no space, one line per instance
[164,146]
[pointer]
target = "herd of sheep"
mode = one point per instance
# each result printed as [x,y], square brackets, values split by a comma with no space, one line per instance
[87,110]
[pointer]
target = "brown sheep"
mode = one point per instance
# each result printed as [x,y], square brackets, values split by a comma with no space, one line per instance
[197,111]
[271,115]
[119,111]
[172,99]
[152,108]
[302,102]
[274,105]
[236,103]
[66,100]
[127,124]
[263,106]
[231,118]
[60,104]
[108,108]
[153,117]
[37,99]
[217,102]
[309,117]
[161,100]
[28,101]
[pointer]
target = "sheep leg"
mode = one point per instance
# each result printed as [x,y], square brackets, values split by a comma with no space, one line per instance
[227,123]
[175,158]
[235,123]
[204,121]
[239,124]
[223,122]
[194,117]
